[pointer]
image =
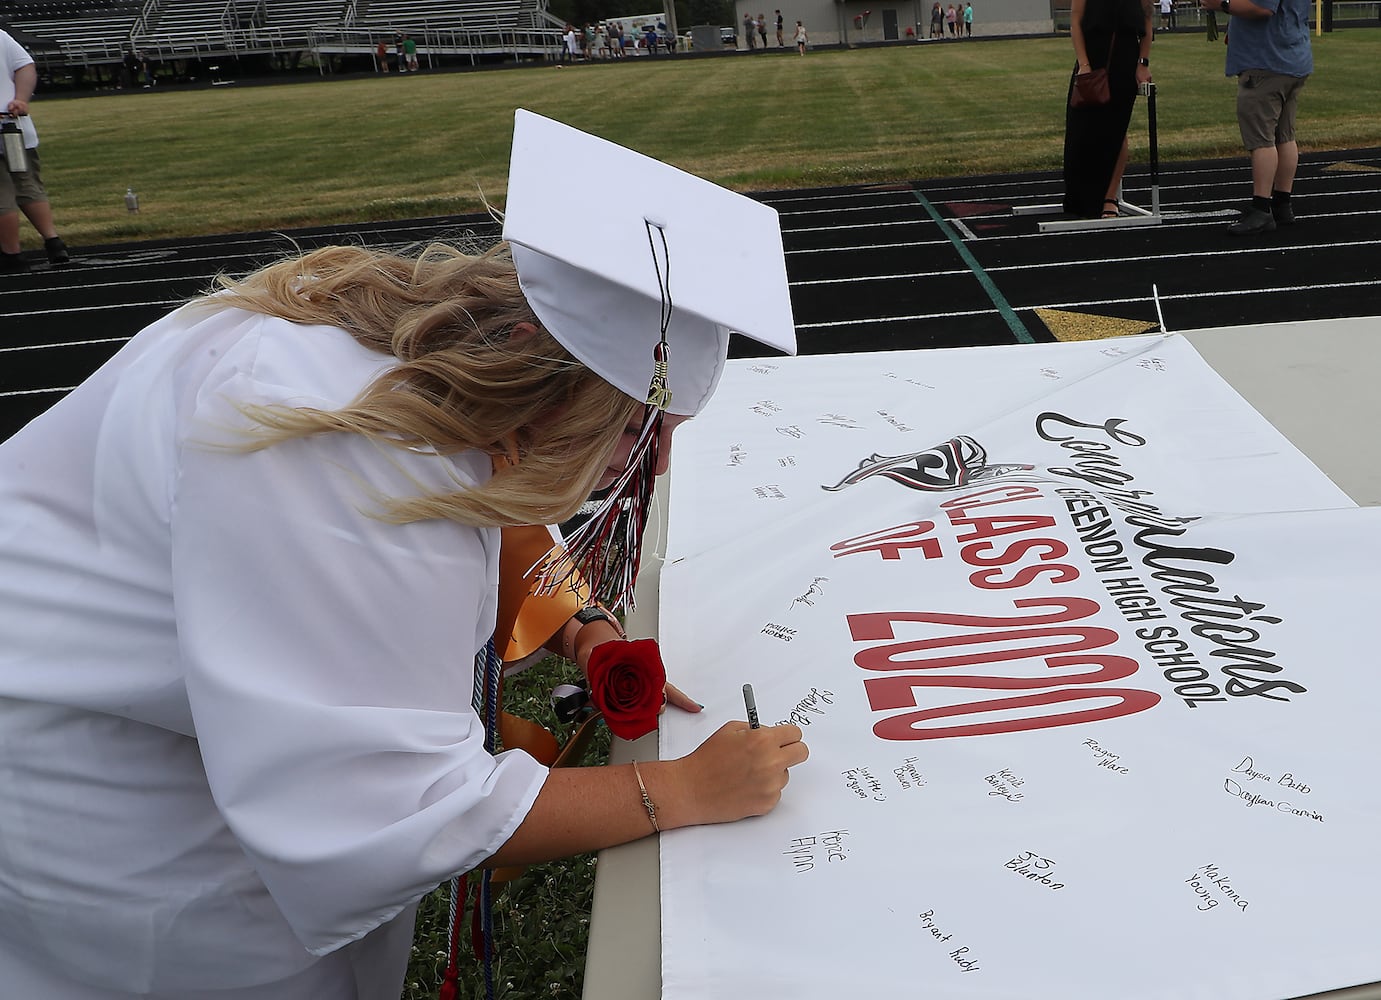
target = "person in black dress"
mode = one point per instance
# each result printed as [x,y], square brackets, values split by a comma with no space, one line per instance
[1116,34]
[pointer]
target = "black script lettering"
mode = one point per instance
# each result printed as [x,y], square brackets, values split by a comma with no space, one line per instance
[1111,427]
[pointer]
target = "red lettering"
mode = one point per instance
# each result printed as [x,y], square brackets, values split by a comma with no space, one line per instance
[891,691]
[993,579]
[911,725]
[1045,549]
[991,527]
[885,657]
[1010,493]
[889,542]
[875,625]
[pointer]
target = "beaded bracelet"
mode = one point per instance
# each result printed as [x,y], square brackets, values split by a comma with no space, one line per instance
[647,799]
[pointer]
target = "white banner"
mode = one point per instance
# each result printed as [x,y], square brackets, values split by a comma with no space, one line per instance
[1077,642]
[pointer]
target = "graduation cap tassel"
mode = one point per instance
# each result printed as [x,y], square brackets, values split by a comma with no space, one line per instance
[485,700]
[450,982]
[607,548]
[484,905]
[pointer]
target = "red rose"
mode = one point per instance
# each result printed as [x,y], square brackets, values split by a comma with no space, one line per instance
[627,683]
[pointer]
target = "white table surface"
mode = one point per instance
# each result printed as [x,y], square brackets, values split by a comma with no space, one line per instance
[1317,382]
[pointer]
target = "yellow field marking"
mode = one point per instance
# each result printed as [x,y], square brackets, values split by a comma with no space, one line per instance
[1065,325]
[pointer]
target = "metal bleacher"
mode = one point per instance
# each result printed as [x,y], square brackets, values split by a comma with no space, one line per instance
[85,31]
[470,28]
[179,29]
[96,32]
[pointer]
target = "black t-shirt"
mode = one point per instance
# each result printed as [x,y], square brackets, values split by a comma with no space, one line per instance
[1114,15]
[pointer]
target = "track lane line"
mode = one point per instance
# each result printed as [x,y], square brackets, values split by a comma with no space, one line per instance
[1009,316]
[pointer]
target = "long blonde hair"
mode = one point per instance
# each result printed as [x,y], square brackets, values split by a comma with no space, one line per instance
[462,381]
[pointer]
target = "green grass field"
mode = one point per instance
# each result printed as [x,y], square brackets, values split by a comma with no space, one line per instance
[240,158]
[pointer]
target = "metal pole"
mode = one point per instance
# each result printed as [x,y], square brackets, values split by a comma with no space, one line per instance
[1155,148]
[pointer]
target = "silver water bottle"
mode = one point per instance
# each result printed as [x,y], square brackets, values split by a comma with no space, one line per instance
[15,160]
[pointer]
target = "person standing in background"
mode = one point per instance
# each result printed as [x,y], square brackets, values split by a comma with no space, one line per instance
[1271,57]
[801,38]
[1115,34]
[129,69]
[968,20]
[780,42]
[22,190]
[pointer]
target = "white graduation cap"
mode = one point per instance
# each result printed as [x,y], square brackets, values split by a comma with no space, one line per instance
[659,239]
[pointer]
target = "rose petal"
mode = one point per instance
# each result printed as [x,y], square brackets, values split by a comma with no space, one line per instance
[627,680]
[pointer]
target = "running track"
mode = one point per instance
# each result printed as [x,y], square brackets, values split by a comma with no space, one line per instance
[941,263]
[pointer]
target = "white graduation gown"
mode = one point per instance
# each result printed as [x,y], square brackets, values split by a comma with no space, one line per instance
[236,735]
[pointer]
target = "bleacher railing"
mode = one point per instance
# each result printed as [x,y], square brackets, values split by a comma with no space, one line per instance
[477,38]
[517,28]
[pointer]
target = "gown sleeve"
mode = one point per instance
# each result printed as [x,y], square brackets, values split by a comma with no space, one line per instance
[329,659]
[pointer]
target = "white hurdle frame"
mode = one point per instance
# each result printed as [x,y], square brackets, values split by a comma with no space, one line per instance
[1129,215]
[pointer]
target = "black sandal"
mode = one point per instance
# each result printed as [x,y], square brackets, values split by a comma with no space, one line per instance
[1116,210]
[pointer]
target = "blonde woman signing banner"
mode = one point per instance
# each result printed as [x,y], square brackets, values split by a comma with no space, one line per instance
[244,569]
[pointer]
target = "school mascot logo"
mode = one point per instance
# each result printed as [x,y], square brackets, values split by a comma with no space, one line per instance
[960,461]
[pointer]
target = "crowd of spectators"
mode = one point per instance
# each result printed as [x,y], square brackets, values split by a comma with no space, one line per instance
[755,32]
[593,42]
[956,20]
[614,40]
[404,54]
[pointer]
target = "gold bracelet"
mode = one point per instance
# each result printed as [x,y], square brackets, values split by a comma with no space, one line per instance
[647,799]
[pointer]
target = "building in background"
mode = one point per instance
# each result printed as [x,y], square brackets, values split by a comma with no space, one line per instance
[862,22]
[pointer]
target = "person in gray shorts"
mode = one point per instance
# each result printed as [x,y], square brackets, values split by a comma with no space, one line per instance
[1269,53]
[22,190]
